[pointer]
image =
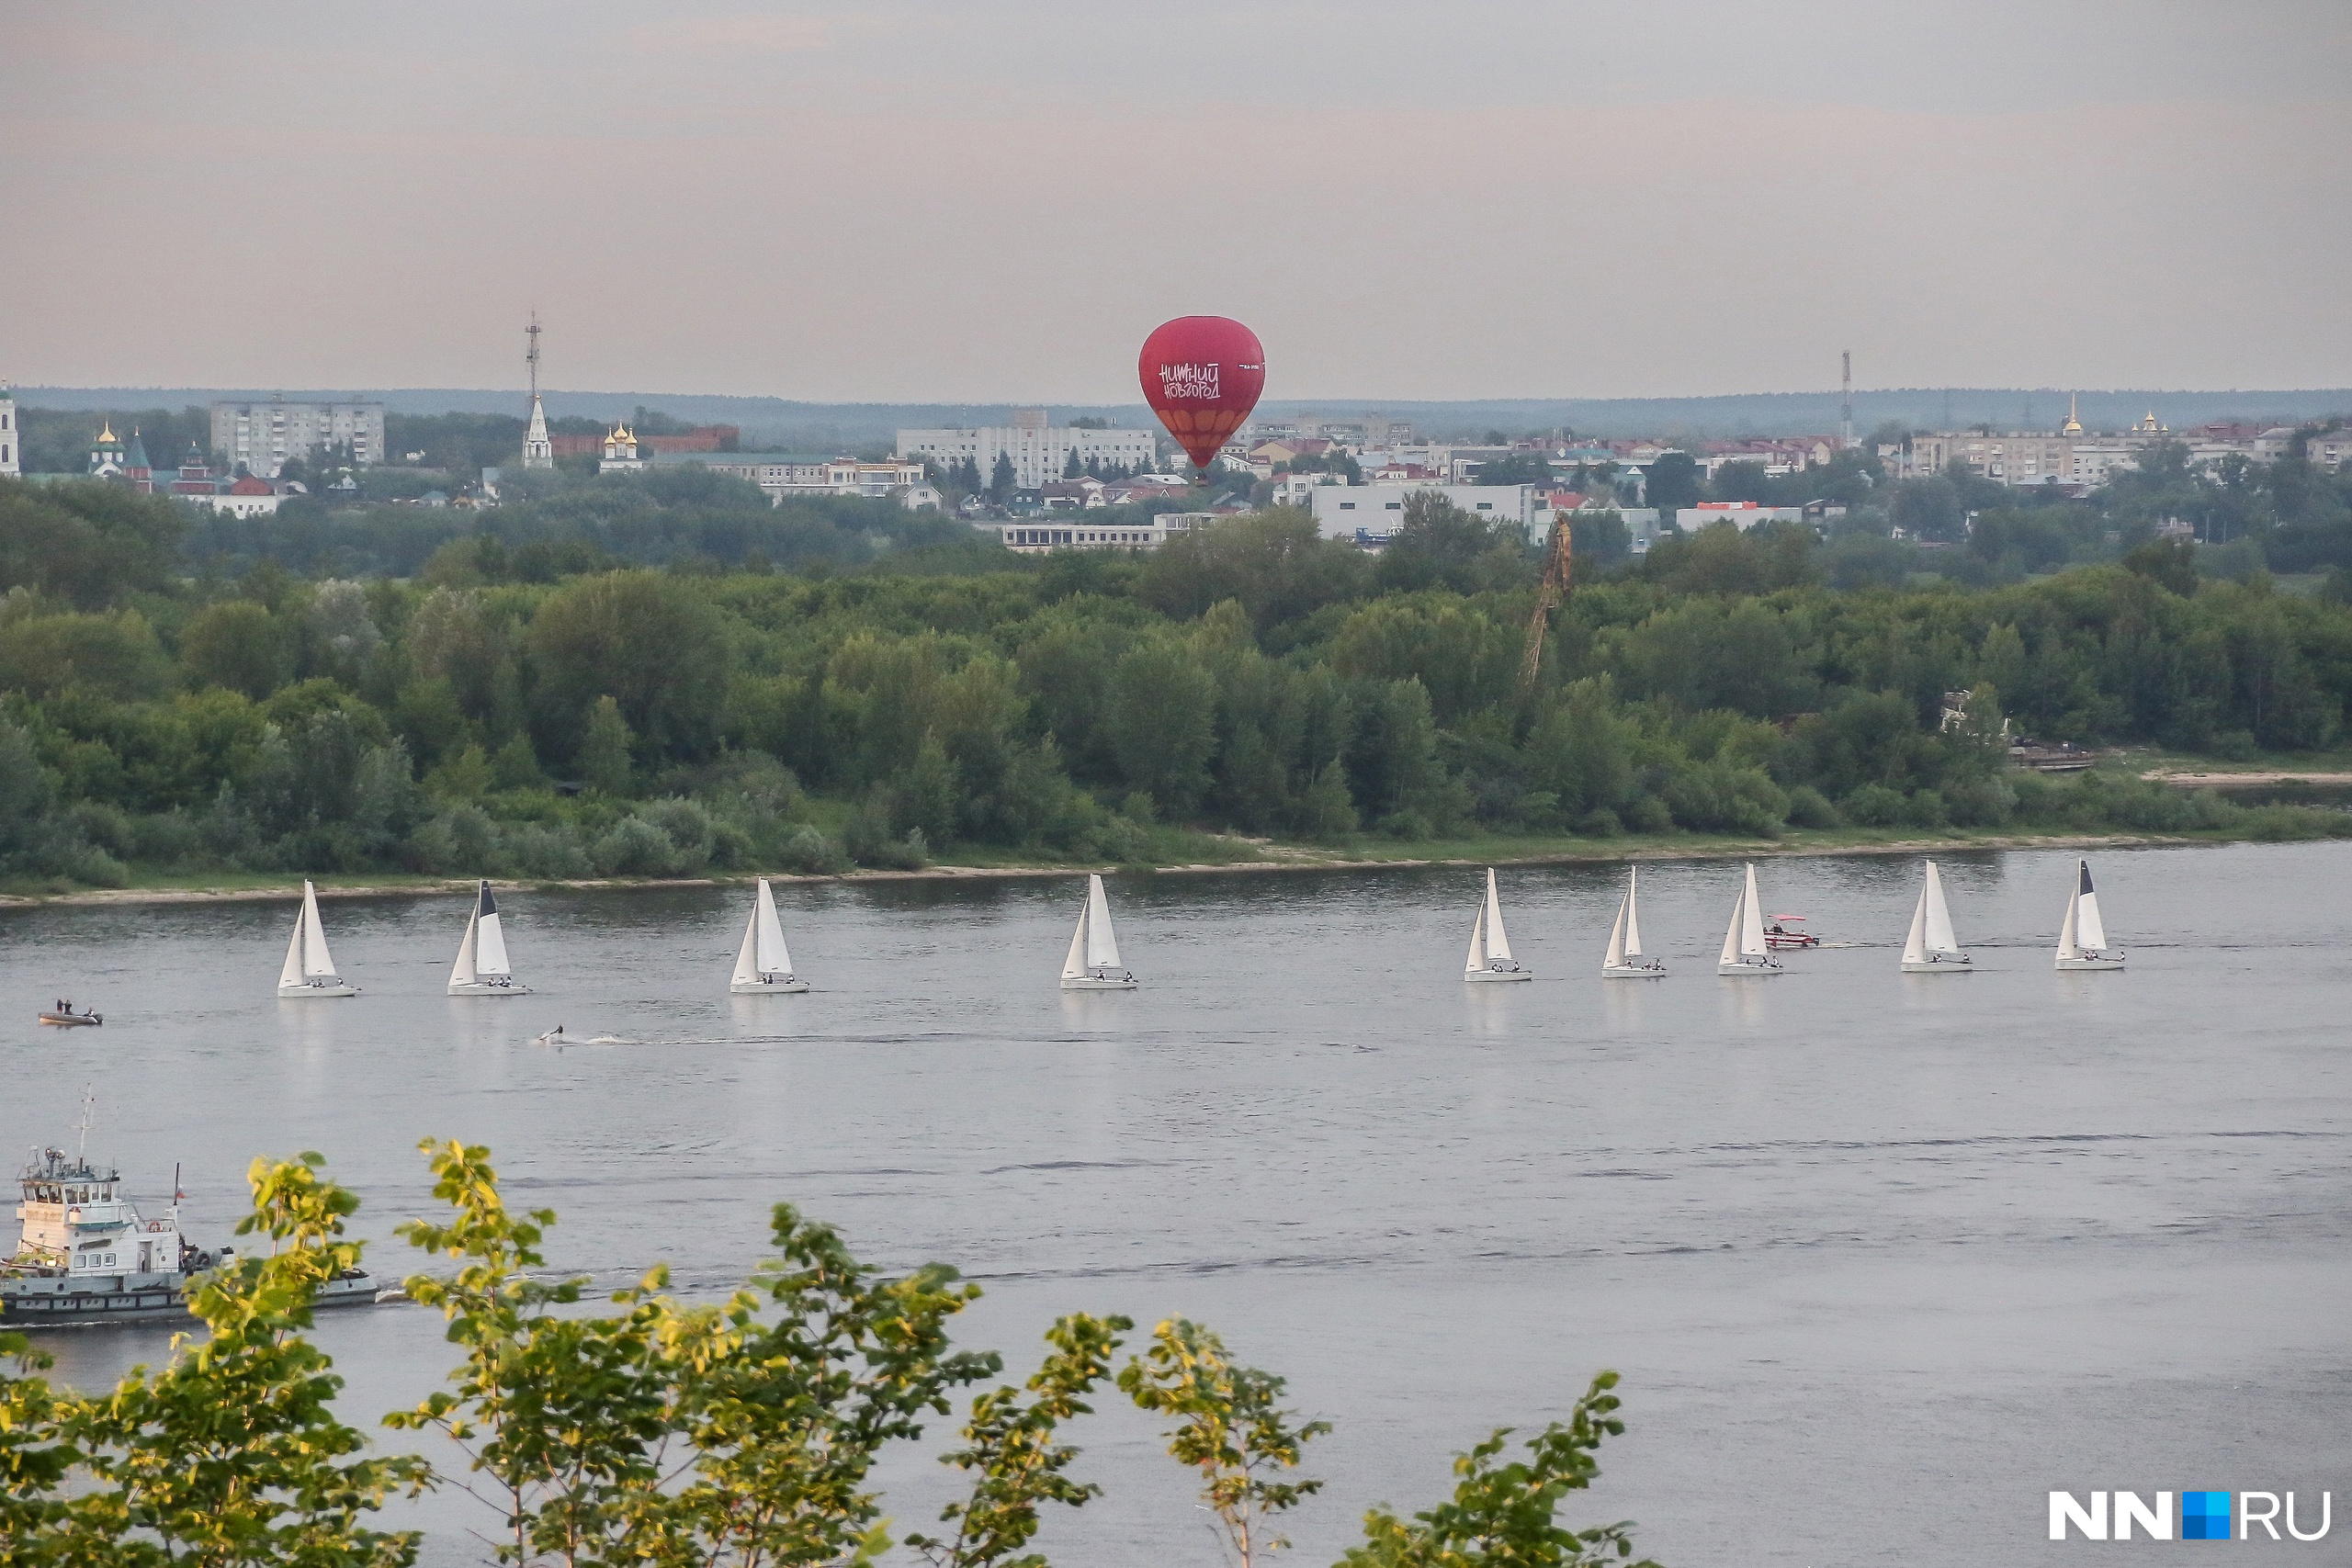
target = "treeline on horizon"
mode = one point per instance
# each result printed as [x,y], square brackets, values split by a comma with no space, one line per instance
[782,423]
[530,701]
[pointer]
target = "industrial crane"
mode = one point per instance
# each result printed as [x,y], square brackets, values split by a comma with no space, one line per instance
[1558,578]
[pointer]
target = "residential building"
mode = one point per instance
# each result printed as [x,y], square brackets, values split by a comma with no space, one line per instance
[2015,457]
[780,474]
[1371,512]
[262,437]
[1296,490]
[1038,452]
[2327,448]
[12,462]
[1037,537]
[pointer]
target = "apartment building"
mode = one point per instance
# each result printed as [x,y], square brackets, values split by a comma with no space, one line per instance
[264,438]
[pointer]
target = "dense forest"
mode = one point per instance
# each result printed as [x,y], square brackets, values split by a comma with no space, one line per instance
[660,673]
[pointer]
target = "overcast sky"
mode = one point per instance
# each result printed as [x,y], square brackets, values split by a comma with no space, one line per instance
[996,199]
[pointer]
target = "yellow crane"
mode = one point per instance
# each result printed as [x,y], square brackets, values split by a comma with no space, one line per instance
[1558,578]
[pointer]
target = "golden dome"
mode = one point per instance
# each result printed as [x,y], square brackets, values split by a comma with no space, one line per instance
[2072,426]
[106,436]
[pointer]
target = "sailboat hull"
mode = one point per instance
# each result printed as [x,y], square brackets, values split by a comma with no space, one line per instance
[1937,966]
[1756,971]
[787,987]
[1089,983]
[486,988]
[1632,971]
[2087,962]
[306,993]
[1494,976]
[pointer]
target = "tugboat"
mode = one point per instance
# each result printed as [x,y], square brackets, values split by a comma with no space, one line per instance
[87,1257]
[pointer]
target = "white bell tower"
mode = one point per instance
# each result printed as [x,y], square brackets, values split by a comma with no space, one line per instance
[538,452]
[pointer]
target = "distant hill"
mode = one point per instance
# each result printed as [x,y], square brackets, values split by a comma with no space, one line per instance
[774,421]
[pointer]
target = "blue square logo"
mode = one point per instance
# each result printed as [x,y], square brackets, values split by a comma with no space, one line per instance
[2204,1516]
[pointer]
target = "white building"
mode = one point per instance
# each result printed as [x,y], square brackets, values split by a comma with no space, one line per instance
[538,452]
[621,452]
[780,475]
[265,437]
[1741,515]
[1036,537]
[1370,512]
[12,462]
[1039,452]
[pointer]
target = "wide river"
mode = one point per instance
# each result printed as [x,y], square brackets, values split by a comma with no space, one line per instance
[1884,1258]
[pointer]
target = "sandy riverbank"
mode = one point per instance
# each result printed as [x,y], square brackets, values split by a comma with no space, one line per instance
[1291,859]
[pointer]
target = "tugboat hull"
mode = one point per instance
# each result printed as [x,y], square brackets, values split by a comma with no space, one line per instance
[61,1302]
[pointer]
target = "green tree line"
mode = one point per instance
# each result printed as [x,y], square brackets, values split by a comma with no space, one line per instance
[742,1433]
[543,711]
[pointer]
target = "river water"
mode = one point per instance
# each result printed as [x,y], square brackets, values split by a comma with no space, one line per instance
[1884,1258]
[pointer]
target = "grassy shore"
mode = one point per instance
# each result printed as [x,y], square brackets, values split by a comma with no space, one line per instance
[1175,851]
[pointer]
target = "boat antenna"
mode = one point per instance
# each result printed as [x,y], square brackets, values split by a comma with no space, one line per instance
[89,1103]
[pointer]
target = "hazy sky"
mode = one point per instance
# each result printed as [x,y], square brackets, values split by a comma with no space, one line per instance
[986,199]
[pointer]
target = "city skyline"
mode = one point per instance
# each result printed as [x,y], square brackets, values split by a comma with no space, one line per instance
[919,203]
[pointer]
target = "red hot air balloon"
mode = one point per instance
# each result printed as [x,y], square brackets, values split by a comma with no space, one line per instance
[1202,376]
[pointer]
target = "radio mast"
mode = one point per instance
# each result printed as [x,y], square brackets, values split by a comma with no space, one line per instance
[1845,412]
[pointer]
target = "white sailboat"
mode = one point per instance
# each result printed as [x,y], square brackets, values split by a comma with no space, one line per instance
[1931,949]
[1744,949]
[1624,960]
[1490,956]
[481,969]
[763,967]
[2082,940]
[310,969]
[1093,962]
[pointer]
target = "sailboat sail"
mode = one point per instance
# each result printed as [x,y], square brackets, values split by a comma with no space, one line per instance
[1938,933]
[1497,940]
[2070,944]
[462,972]
[316,963]
[1915,946]
[1633,912]
[489,941]
[774,959]
[1731,932]
[1615,957]
[2089,931]
[1101,942]
[1074,967]
[1751,921]
[291,975]
[1477,958]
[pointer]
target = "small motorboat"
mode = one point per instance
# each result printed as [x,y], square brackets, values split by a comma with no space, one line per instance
[64,1017]
[1787,935]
